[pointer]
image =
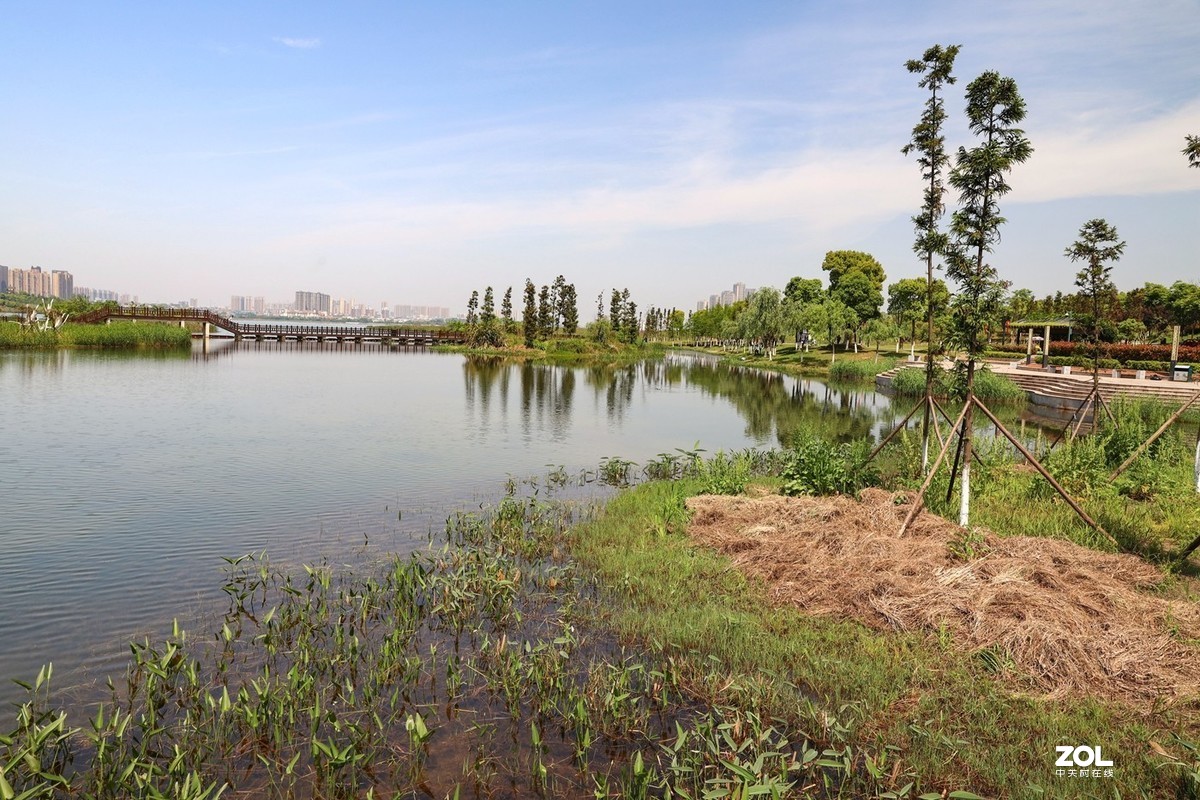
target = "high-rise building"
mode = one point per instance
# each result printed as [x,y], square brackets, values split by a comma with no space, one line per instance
[739,292]
[702,305]
[312,303]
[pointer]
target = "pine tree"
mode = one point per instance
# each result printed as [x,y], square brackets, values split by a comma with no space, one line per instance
[994,107]
[1097,244]
[529,319]
[488,312]
[928,140]
[472,308]
[570,313]
[614,311]
[506,311]
[545,313]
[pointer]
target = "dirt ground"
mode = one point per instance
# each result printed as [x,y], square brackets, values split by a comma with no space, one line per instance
[1076,621]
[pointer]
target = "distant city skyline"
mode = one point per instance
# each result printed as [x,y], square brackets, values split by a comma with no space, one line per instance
[424,151]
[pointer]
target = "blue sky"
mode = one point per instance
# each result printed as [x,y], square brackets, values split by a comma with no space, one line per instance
[412,152]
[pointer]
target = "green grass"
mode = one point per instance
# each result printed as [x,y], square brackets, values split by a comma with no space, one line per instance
[117,335]
[910,382]
[944,721]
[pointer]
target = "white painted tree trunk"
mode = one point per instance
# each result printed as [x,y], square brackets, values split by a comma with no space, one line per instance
[964,506]
[1198,465]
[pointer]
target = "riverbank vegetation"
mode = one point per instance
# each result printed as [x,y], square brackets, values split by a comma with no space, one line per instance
[547,648]
[116,335]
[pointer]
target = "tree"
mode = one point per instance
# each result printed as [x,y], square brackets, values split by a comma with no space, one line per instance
[935,68]
[763,322]
[1192,150]
[803,290]
[545,313]
[473,308]
[1184,300]
[859,292]
[614,311]
[878,330]
[557,292]
[488,313]
[1096,246]
[840,263]
[529,319]
[570,310]
[506,311]
[906,302]
[994,108]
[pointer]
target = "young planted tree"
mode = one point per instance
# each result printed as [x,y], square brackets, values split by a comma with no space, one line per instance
[1096,246]
[545,313]
[994,108]
[928,140]
[487,314]
[557,299]
[506,311]
[570,310]
[473,308]
[529,320]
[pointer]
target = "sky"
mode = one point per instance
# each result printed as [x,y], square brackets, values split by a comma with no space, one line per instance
[412,152]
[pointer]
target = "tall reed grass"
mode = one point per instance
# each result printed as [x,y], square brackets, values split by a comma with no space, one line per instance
[116,335]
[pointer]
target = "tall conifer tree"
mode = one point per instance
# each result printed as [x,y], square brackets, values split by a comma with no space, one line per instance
[929,142]
[994,108]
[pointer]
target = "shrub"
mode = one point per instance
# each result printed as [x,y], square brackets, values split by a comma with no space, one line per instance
[819,467]
[723,474]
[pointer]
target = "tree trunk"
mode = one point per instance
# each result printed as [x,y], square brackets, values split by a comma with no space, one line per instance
[964,508]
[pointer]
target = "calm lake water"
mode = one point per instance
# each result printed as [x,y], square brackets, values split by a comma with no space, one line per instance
[126,478]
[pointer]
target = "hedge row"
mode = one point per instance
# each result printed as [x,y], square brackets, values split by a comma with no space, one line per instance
[1124,353]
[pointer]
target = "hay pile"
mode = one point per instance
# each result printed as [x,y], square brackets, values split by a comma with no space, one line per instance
[1075,620]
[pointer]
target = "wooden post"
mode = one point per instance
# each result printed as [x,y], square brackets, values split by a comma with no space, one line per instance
[1162,429]
[892,435]
[919,500]
[1029,346]
[1049,478]
[1174,348]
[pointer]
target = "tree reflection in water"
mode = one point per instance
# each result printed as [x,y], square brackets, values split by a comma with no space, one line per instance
[773,406]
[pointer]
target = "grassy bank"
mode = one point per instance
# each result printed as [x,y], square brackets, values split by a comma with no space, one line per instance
[116,335]
[907,710]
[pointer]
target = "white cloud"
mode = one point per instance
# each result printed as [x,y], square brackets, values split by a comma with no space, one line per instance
[300,44]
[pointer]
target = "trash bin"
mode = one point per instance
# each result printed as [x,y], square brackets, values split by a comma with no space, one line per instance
[1182,372]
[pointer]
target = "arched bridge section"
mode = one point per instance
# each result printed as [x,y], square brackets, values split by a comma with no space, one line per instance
[275,331]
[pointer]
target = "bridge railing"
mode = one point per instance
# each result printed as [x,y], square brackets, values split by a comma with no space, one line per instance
[261,329]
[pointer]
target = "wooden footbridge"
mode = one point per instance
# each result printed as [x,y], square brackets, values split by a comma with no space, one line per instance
[280,332]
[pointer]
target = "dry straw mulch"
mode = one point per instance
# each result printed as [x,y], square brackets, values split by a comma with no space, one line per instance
[1079,622]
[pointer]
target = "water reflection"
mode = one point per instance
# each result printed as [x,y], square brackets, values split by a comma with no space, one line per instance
[773,407]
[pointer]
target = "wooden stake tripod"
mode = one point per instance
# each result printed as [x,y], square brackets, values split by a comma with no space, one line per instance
[972,400]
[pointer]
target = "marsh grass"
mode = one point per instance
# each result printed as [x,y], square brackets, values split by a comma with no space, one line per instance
[546,649]
[117,335]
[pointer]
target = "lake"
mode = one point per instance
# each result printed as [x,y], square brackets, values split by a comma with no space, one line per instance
[126,478]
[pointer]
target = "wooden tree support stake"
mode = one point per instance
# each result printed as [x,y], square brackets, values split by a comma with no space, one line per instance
[919,501]
[1154,436]
[1049,478]
[895,430]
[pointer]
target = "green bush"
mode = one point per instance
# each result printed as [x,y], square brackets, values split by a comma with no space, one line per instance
[819,467]
[723,474]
